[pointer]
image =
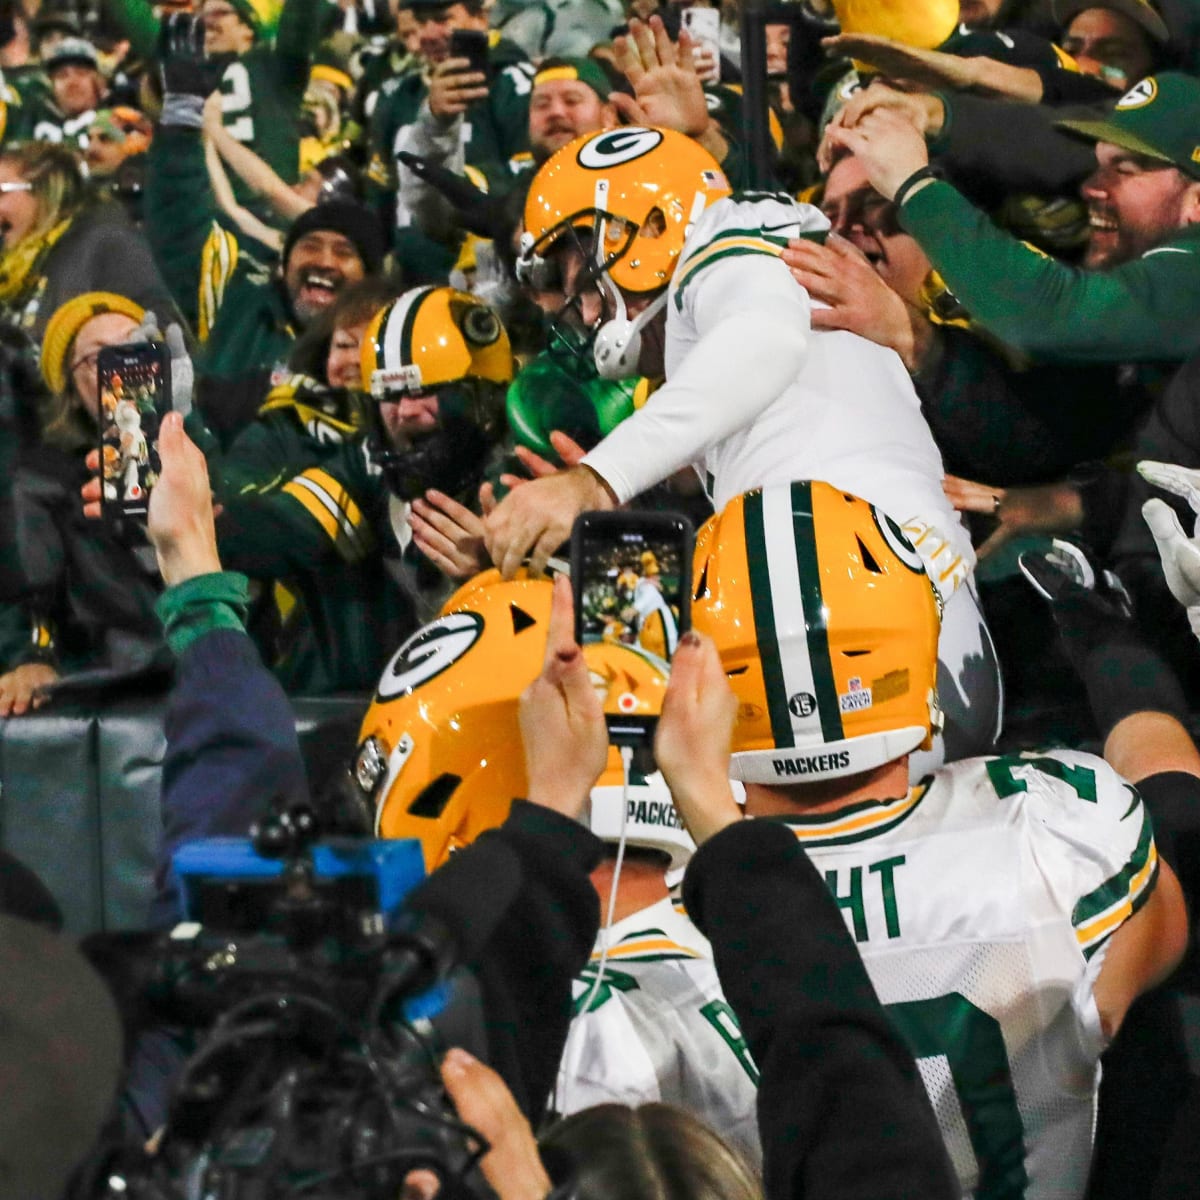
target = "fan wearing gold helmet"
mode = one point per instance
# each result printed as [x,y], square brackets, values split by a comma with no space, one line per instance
[636,243]
[436,363]
[1008,910]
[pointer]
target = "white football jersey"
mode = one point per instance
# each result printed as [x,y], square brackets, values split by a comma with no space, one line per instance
[982,904]
[658,1028]
[851,417]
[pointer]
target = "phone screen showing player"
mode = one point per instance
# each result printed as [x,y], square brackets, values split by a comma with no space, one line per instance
[631,574]
[132,384]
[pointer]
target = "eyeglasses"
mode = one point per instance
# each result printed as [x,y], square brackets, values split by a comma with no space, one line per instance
[88,360]
[16,185]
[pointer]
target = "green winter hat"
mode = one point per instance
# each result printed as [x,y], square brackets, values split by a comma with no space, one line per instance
[1158,117]
[586,70]
[261,15]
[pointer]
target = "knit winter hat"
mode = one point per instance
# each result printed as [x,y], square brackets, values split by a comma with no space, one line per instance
[68,320]
[360,225]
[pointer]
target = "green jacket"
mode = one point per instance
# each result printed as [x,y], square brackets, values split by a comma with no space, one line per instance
[247,349]
[1140,311]
[291,520]
[326,533]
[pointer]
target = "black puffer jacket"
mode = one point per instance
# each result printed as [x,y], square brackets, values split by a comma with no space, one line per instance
[84,579]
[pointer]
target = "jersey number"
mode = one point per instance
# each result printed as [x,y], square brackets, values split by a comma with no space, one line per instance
[1000,772]
[235,99]
[973,1046]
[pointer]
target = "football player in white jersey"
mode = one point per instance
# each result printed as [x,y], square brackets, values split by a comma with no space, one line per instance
[635,236]
[1008,910]
[651,1021]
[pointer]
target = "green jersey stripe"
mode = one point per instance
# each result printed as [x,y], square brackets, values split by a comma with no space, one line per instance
[1116,889]
[764,621]
[814,612]
[694,269]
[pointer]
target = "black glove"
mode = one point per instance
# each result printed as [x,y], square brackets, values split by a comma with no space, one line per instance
[186,72]
[1094,615]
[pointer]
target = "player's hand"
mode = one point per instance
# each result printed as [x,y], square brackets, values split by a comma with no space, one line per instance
[482,1100]
[453,87]
[449,534]
[180,520]
[535,519]
[20,688]
[925,112]
[694,736]
[840,275]
[562,719]
[1044,508]
[666,85]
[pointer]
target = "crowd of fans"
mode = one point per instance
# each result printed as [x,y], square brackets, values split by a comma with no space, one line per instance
[413,337]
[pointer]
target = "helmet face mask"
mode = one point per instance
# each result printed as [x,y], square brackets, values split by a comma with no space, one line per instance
[620,203]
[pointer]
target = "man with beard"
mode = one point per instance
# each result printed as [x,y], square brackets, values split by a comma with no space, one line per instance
[327,248]
[1134,298]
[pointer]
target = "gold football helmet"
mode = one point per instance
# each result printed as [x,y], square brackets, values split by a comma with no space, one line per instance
[439,755]
[432,336]
[827,626]
[628,197]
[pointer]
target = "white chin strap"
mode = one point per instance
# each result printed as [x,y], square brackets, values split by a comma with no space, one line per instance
[618,344]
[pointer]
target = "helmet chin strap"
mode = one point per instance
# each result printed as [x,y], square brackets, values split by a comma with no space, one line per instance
[618,344]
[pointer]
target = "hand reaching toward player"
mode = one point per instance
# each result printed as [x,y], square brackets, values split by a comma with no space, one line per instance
[1044,508]
[924,111]
[449,534]
[667,89]
[887,144]
[840,275]
[536,518]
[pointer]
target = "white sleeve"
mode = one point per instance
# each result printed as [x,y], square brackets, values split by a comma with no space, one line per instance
[752,321]
[1092,838]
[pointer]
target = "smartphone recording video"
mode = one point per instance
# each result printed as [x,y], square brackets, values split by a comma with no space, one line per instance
[631,574]
[133,391]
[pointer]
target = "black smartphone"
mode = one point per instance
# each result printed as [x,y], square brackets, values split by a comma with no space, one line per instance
[134,394]
[471,44]
[631,573]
